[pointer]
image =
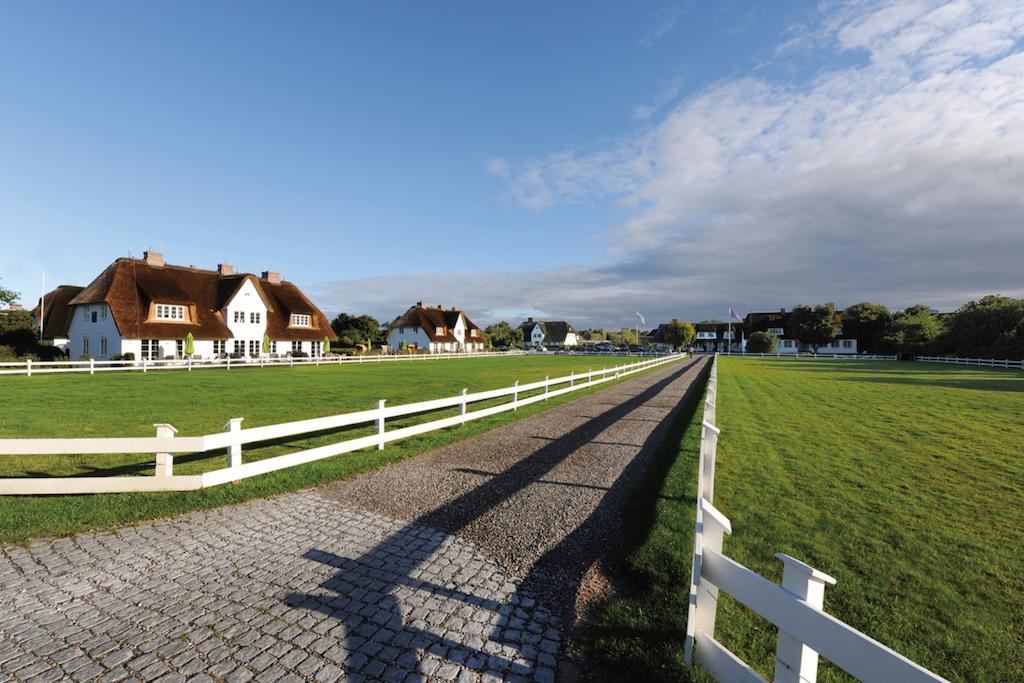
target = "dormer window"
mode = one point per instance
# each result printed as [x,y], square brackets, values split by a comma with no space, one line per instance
[777,331]
[300,320]
[169,312]
[472,333]
[439,331]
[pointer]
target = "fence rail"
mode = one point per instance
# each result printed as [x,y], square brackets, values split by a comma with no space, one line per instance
[35,367]
[812,356]
[978,362]
[795,607]
[166,444]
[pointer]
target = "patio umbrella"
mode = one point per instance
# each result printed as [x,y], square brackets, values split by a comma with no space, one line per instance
[190,344]
[266,343]
[327,345]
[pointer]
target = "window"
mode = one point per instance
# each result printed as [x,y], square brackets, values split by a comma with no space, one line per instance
[297,346]
[103,346]
[85,312]
[472,333]
[85,345]
[254,317]
[103,312]
[150,349]
[254,347]
[239,316]
[300,320]
[218,347]
[168,312]
[93,316]
[847,343]
[239,347]
[777,331]
[439,331]
[179,348]
[273,346]
[787,343]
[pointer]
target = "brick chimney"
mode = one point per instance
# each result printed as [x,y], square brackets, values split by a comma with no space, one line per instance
[225,269]
[272,277]
[153,258]
[419,304]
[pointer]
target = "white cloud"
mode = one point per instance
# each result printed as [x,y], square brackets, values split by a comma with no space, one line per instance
[668,17]
[897,180]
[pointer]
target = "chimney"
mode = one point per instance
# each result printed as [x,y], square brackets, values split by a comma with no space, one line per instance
[272,277]
[440,307]
[529,320]
[153,258]
[225,269]
[419,304]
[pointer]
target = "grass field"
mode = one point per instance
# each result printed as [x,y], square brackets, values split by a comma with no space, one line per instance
[904,481]
[200,402]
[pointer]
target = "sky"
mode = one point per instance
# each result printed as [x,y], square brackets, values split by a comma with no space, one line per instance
[577,160]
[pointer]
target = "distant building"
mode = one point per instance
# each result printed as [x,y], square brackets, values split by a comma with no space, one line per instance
[52,315]
[776,323]
[538,334]
[148,308]
[435,329]
[718,336]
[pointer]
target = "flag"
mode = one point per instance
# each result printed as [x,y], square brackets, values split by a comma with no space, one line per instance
[641,316]
[735,316]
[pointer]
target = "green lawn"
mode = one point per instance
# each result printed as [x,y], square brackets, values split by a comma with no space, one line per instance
[904,481]
[200,402]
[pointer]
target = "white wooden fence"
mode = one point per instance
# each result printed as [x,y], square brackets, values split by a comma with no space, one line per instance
[166,443]
[812,356]
[805,631]
[980,362]
[34,367]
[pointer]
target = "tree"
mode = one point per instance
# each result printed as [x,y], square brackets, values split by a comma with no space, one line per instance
[11,321]
[990,327]
[8,296]
[679,333]
[914,331]
[869,323]
[623,337]
[814,327]
[762,342]
[352,330]
[503,334]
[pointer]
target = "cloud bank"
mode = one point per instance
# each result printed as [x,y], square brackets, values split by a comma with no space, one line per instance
[899,178]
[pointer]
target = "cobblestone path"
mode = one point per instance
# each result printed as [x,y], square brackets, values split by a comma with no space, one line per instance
[314,586]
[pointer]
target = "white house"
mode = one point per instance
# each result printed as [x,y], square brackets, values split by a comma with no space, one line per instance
[775,323]
[147,308]
[548,333]
[435,329]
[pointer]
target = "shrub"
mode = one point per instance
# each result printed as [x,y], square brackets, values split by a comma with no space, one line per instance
[128,356]
[7,353]
[762,342]
[85,356]
[299,354]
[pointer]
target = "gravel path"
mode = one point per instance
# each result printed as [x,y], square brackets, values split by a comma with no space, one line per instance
[543,495]
[454,565]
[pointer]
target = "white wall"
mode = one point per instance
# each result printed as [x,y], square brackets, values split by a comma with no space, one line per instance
[571,339]
[247,300]
[536,336]
[83,327]
[410,335]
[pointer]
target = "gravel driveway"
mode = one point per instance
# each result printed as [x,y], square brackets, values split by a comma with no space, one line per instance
[454,565]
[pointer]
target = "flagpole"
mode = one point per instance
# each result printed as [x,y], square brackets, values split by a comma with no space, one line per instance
[42,306]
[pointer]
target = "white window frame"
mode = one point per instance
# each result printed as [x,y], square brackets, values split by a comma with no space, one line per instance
[254,317]
[85,345]
[776,331]
[171,312]
[301,320]
[103,346]
[219,346]
[239,316]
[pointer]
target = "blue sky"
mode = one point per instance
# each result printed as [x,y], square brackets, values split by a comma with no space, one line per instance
[574,160]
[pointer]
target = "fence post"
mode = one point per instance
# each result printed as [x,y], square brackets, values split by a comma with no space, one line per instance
[708,450]
[234,425]
[164,461]
[229,362]
[380,424]
[464,391]
[794,661]
[515,395]
[713,527]
[143,363]
[92,366]
[190,363]
[28,367]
